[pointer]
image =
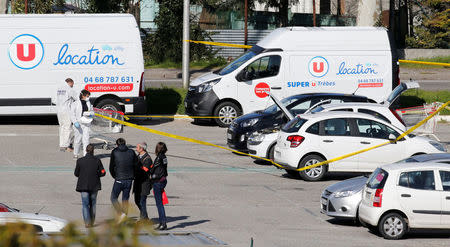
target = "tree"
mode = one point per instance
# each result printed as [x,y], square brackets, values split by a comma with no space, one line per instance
[433,32]
[34,6]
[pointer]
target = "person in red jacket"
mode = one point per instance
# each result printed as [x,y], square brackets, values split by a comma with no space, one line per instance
[89,169]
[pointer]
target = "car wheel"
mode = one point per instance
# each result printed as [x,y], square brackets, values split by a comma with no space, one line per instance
[313,174]
[226,112]
[109,104]
[392,226]
[271,153]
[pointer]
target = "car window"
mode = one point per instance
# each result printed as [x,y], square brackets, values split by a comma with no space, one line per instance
[313,129]
[374,129]
[343,109]
[377,179]
[294,125]
[445,179]
[421,180]
[336,127]
[286,102]
[264,67]
[299,107]
[375,114]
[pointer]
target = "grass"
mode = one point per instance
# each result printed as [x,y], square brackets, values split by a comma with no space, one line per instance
[417,97]
[202,64]
[441,59]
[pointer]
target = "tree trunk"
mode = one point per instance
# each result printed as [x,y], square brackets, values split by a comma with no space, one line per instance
[283,13]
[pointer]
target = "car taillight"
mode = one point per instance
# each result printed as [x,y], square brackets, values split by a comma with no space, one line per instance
[377,198]
[295,140]
[397,116]
[141,86]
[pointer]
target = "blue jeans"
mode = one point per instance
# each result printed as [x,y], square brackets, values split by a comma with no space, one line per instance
[141,202]
[88,202]
[123,186]
[158,188]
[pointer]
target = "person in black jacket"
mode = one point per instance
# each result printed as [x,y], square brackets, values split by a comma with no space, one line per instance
[89,169]
[122,165]
[159,174]
[142,184]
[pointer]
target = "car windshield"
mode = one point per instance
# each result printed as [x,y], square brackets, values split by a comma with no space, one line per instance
[286,102]
[255,50]
[377,179]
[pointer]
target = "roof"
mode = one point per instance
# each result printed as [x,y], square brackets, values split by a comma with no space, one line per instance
[353,104]
[339,114]
[326,94]
[430,157]
[415,165]
[327,39]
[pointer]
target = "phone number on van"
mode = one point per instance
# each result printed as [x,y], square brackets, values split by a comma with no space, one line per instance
[101,79]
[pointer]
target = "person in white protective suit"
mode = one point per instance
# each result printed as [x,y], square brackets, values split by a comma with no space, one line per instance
[82,116]
[65,97]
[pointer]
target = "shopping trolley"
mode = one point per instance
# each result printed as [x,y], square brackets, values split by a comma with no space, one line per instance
[102,128]
[413,115]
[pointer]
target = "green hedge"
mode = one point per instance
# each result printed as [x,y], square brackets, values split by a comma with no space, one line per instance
[417,97]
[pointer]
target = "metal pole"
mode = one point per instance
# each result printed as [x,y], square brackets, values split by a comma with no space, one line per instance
[314,12]
[245,24]
[185,73]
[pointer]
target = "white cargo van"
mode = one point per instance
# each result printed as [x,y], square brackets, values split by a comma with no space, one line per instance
[101,53]
[297,60]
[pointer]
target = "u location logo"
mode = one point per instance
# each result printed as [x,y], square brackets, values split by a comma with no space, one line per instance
[318,66]
[26,51]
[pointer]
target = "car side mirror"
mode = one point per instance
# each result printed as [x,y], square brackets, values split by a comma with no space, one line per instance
[392,138]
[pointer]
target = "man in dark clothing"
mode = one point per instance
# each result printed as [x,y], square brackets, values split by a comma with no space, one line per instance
[89,169]
[122,165]
[142,184]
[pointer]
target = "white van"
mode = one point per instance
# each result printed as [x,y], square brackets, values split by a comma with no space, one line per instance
[101,53]
[297,60]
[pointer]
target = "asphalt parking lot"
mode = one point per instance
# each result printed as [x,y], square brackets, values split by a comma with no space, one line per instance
[210,190]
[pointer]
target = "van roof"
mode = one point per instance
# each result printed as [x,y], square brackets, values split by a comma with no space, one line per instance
[67,20]
[327,38]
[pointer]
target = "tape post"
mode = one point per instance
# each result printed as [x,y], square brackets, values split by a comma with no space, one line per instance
[271,161]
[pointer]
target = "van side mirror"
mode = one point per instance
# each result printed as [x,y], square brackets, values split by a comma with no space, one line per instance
[241,75]
[392,138]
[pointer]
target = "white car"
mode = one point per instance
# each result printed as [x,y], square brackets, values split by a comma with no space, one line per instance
[262,143]
[383,112]
[312,138]
[403,196]
[42,222]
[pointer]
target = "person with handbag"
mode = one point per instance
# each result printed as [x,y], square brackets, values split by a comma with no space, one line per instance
[142,184]
[158,173]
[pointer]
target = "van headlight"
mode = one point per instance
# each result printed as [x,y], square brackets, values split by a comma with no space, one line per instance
[438,146]
[250,122]
[255,138]
[207,86]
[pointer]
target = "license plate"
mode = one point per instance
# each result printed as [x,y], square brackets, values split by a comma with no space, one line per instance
[229,136]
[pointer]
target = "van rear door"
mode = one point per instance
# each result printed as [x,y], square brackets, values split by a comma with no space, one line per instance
[257,79]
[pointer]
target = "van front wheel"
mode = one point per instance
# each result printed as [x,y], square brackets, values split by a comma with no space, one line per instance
[225,113]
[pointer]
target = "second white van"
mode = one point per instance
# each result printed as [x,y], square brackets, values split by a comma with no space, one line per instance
[297,60]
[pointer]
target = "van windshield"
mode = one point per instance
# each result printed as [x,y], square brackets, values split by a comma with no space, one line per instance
[255,50]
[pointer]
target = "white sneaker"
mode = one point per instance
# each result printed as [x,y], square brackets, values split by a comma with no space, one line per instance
[122,217]
[75,157]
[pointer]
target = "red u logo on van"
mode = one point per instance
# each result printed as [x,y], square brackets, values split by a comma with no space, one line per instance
[31,52]
[317,70]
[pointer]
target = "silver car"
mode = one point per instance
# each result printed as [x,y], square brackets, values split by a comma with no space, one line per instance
[341,200]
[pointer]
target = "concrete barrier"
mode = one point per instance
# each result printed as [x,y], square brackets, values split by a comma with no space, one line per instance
[409,54]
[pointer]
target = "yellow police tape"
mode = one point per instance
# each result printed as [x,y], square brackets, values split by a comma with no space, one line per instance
[174,116]
[274,163]
[220,44]
[422,62]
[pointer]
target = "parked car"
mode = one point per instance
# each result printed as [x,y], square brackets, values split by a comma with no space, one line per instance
[341,200]
[312,138]
[42,222]
[404,196]
[272,117]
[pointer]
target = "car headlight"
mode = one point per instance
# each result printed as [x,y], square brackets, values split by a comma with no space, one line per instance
[206,86]
[255,138]
[250,122]
[438,146]
[344,193]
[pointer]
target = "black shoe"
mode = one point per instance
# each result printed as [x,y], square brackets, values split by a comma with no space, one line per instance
[163,227]
[157,227]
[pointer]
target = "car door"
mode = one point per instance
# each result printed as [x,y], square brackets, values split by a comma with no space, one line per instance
[257,79]
[445,197]
[372,133]
[419,199]
[336,139]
